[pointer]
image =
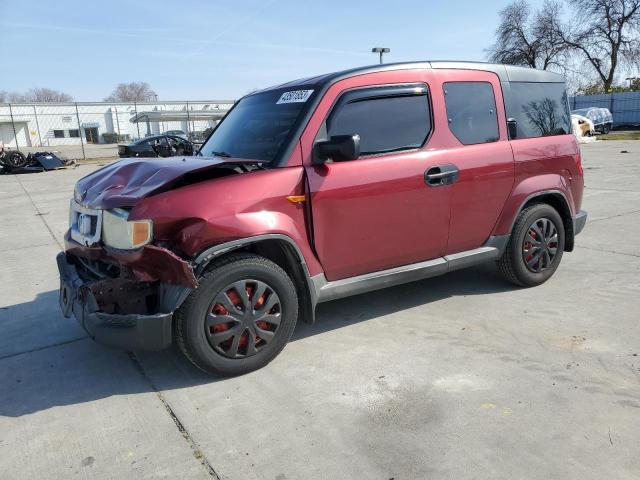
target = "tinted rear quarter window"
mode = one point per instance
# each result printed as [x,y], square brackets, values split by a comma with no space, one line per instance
[385,124]
[540,109]
[471,112]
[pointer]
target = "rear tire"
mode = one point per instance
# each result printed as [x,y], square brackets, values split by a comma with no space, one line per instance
[240,297]
[535,247]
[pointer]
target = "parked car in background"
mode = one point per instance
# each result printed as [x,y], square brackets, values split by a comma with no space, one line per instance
[582,126]
[601,118]
[157,146]
[320,189]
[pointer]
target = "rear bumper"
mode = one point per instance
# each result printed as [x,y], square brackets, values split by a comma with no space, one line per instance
[126,331]
[579,222]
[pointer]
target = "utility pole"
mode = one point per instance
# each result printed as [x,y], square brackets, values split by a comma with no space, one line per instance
[381,51]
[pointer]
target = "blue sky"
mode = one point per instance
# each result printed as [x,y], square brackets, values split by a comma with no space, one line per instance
[191,49]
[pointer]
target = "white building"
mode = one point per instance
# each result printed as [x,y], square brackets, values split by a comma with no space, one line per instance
[50,124]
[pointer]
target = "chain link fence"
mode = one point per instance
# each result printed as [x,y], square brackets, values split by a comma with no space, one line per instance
[624,106]
[85,130]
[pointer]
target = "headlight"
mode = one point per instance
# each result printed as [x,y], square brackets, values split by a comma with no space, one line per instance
[118,232]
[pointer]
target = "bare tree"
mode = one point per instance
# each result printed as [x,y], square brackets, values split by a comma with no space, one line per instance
[15,97]
[534,40]
[607,35]
[131,92]
[46,95]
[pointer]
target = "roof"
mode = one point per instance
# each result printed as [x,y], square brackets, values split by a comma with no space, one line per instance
[506,73]
[178,115]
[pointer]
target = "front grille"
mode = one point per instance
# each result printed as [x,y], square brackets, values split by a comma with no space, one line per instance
[94,270]
[85,224]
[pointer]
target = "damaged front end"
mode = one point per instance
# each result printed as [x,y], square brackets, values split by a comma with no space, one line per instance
[122,297]
[120,306]
[120,282]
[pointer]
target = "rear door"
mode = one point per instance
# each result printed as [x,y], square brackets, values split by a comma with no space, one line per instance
[376,212]
[480,150]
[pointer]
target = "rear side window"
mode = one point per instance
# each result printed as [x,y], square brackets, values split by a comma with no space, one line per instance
[471,112]
[540,109]
[385,123]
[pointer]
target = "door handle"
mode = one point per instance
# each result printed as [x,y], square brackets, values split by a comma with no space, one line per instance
[440,175]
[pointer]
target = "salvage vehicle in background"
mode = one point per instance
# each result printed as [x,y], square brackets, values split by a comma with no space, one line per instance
[319,189]
[601,118]
[11,159]
[176,133]
[157,146]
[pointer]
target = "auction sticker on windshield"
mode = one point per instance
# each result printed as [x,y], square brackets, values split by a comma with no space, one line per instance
[295,96]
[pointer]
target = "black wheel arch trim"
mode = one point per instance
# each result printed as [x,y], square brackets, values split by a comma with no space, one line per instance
[568,221]
[307,294]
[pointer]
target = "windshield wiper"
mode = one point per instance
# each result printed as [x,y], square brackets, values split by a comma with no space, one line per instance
[221,154]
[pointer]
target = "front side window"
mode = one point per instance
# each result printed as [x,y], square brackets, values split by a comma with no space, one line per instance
[58,133]
[471,112]
[540,109]
[260,125]
[386,123]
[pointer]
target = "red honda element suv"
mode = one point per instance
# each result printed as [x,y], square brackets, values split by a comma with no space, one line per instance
[318,189]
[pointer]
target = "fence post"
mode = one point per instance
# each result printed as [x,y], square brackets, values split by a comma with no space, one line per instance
[84,156]
[35,114]
[115,107]
[188,121]
[611,107]
[13,125]
[135,107]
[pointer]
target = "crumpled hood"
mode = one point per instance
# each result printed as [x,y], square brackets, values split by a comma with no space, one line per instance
[123,183]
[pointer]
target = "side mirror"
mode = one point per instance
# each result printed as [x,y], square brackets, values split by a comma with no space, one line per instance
[512,128]
[338,148]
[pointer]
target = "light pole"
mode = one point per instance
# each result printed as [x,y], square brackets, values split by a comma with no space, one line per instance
[381,51]
[631,80]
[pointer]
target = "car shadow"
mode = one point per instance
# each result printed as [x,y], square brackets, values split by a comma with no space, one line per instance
[77,370]
[478,280]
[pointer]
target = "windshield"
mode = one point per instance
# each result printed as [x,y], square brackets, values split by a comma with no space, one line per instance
[258,126]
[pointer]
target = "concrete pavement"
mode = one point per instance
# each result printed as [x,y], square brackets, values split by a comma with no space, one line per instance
[456,377]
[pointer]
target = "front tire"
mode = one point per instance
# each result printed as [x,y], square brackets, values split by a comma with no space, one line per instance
[535,248]
[239,318]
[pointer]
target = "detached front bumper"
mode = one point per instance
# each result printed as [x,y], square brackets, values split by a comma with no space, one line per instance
[579,222]
[127,331]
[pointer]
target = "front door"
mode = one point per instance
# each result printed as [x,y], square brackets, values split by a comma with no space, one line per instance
[377,212]
[91,134]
